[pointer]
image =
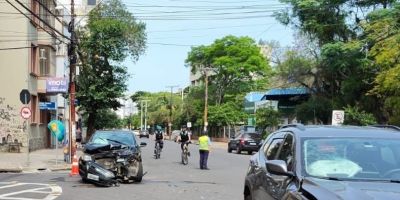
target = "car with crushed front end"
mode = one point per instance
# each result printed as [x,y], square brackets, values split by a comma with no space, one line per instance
[326,162]
[111,157]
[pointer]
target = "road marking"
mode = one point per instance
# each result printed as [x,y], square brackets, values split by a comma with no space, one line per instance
[54,192]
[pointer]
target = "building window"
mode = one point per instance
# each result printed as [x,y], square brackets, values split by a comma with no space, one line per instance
[91,2]
[34,58]
[44,60]
[44,7]
[34,108]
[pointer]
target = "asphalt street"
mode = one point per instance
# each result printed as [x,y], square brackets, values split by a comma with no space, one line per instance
[165,179]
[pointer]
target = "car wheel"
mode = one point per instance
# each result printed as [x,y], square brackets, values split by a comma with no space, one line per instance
[248,197]
[249,152]
[229,150]
[238,150]
[85,180]
[139,175]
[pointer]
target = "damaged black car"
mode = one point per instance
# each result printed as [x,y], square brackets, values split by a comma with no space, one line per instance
[111,157]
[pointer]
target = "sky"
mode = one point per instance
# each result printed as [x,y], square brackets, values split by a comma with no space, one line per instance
[173,26]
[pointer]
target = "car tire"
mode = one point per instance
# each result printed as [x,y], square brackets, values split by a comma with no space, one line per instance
[249,152]
[85,180]
[238,150]
[139,176]
[229,150]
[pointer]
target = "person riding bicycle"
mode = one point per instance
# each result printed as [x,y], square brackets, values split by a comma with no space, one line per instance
[184,137]
[159,139]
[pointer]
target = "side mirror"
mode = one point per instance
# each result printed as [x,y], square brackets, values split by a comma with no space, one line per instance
[278,167]
[143,144]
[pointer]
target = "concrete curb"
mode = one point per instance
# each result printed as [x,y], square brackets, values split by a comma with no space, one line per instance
[11,170]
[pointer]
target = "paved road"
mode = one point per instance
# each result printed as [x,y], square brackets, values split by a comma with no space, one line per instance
[166,179]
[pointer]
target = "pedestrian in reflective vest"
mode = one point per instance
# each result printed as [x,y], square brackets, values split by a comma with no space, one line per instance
[204,149]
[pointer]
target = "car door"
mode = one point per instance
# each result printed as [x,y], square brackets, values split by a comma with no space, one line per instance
[263,185]
[286,153]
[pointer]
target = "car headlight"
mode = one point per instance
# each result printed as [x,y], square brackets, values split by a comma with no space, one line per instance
[86,157]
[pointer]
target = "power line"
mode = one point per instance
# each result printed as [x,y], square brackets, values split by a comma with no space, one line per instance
[52,34]
[14,48]
[44,22]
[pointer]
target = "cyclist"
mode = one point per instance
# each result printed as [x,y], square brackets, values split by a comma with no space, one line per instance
[185,138]
[159,138]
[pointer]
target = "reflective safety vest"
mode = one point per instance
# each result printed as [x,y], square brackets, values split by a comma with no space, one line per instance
[203,142]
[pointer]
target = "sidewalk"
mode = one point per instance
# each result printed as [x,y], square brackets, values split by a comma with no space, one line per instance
[40,160]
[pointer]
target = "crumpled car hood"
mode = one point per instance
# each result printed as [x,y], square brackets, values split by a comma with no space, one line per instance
[96,148]
[349,190]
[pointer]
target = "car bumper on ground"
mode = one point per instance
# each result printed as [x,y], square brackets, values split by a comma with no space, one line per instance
[95,173]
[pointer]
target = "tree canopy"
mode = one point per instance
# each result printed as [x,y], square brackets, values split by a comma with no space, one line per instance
[111,35]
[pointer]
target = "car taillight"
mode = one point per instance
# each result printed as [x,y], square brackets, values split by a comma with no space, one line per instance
[242,141]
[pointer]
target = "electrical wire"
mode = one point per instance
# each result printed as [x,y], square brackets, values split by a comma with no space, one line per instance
[43,21]
[14,48]
[52,34]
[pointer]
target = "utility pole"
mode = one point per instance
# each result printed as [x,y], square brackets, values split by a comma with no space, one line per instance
[72,71]
[205,117]
[145,115]
[141,115]
[170,110]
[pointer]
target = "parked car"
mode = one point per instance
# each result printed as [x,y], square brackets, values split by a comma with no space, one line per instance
[136,132]
[326,162]
[110,157]
[144,133]
[249,142]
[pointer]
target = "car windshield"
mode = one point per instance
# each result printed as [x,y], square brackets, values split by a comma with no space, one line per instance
[108,137]
[352,158]
[255,136]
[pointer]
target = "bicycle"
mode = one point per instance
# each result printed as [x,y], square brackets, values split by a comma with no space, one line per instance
[157,151]
[185,154]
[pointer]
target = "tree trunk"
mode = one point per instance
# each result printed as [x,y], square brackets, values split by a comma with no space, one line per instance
[90,125]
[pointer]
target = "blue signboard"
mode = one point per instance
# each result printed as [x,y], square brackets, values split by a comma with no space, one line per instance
[47,105]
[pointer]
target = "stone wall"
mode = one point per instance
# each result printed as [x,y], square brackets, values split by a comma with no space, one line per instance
[12,126]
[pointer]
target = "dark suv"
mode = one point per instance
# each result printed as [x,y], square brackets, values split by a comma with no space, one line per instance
[326,162]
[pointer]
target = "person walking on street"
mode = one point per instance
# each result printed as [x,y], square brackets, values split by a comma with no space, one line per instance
[204,149]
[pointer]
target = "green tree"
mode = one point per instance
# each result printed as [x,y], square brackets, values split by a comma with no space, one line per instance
[267,117]
[236,62]
[110,36]
[353,116]
[105,119]
[383,34]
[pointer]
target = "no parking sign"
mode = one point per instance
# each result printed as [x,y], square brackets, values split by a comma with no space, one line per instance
[337,117]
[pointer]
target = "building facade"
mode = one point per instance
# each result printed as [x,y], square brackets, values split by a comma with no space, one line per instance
[34,56]
[27,61]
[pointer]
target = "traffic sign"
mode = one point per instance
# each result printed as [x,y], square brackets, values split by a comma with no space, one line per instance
[25,96]
[26,112]
[337,117]
[189,124]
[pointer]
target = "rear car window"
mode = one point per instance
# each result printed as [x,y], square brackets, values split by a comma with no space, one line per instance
[252,135]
